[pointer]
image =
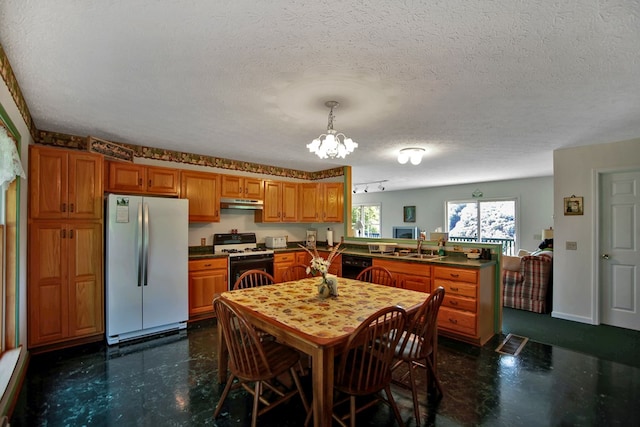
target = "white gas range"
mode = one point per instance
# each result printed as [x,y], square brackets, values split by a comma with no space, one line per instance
[244,254]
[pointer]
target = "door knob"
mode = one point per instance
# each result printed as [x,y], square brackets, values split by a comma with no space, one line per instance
[604,256]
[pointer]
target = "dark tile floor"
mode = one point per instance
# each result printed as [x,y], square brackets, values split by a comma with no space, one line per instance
[171,381]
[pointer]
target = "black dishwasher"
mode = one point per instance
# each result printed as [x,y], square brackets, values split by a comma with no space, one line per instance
[352,265]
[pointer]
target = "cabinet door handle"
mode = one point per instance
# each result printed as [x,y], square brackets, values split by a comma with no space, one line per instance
[455,288]
[64,207]
[207,265]
[453,302]
[140,182]
[454,321]
[149,183]
[71,208]
[246,190]
[64,233]
[71,234]
[455,275]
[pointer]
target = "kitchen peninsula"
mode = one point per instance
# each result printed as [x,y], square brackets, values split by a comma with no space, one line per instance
[471,310]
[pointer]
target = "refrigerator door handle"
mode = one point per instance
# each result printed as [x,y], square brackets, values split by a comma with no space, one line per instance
[140,244]
[146,244]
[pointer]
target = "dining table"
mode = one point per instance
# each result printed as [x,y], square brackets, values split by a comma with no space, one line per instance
[295,314]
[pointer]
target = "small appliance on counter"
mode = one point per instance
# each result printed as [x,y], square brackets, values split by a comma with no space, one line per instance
[312,237]
[275,242]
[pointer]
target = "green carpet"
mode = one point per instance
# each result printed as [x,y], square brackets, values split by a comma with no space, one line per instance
[602,341]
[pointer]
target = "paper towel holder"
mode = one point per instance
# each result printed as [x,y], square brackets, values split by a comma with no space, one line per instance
[329,237]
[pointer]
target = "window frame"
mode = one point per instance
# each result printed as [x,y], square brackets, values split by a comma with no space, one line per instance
[507,249]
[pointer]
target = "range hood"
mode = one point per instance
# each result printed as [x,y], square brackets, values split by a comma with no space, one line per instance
[231,203]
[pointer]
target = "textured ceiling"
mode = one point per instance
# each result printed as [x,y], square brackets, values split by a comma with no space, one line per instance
[488,88]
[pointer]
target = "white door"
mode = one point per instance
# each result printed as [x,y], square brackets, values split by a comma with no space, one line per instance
[165,296]
[123,288]
[619,252]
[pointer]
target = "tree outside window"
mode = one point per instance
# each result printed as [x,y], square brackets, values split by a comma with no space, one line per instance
[365,220]
[483,222]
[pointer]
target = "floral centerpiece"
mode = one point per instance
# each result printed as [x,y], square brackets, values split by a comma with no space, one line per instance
[320,267]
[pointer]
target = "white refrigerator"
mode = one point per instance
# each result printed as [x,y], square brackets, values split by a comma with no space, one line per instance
[146,271]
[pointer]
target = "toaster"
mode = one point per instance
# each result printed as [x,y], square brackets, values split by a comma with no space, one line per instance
[275,242]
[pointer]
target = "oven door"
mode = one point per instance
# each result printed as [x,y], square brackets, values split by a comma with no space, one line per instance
[241,264]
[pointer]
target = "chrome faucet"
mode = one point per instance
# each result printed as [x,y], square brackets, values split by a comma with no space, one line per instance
[419,246]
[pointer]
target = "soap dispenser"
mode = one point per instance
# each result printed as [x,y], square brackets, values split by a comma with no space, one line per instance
[441,247]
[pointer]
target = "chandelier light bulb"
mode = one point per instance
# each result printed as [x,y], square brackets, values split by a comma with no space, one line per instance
[332,144]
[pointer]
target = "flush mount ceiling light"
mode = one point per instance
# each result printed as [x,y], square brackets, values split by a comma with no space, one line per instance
[332,144]
[413,154]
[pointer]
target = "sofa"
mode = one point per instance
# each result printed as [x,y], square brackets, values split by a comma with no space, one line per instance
[527,281]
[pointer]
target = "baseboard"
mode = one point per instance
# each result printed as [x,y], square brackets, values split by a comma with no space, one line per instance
[13,362]
[572,317]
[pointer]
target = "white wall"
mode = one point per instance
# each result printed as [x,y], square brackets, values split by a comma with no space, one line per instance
[534,195]
[575,276]
[12,110]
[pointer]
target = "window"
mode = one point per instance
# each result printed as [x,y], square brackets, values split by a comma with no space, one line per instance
[487,221]
[365,220]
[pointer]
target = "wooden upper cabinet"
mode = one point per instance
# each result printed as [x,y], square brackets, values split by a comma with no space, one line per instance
[280,202]
[64,184]
[141,179]
[241,187]
[321,202]
[162,180]
[333,202]
[202,190]
[309,202]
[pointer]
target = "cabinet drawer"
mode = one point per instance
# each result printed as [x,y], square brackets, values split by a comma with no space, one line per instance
[457,274]
[207,264]
[457,288]
[458,321]
[415,268]
[286,257]
[459,303]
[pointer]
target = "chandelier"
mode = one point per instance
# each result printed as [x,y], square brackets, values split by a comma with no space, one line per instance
[332,144]
[413,154]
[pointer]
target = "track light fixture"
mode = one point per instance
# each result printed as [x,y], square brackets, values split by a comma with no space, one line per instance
[365,186]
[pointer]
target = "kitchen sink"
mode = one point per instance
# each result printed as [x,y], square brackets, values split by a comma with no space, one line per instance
[425,256]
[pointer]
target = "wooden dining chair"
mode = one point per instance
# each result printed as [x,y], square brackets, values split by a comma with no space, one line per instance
[364,368]
[416,348]
[253,278]
[252,360]
[295,272]
[378,275]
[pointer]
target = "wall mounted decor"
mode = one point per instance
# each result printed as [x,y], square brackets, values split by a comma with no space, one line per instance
[573,205]
[109,149]
[409,214]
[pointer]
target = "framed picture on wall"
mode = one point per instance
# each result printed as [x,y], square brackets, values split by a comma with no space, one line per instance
[409,214]
[573,205]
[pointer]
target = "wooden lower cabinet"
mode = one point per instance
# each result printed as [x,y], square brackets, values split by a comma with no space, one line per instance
[281,262]
[468,310]
[207,278]
[65,292]
[408,275]
[336,264]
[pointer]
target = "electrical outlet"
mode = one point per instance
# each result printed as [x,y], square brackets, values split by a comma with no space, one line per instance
[572,246]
